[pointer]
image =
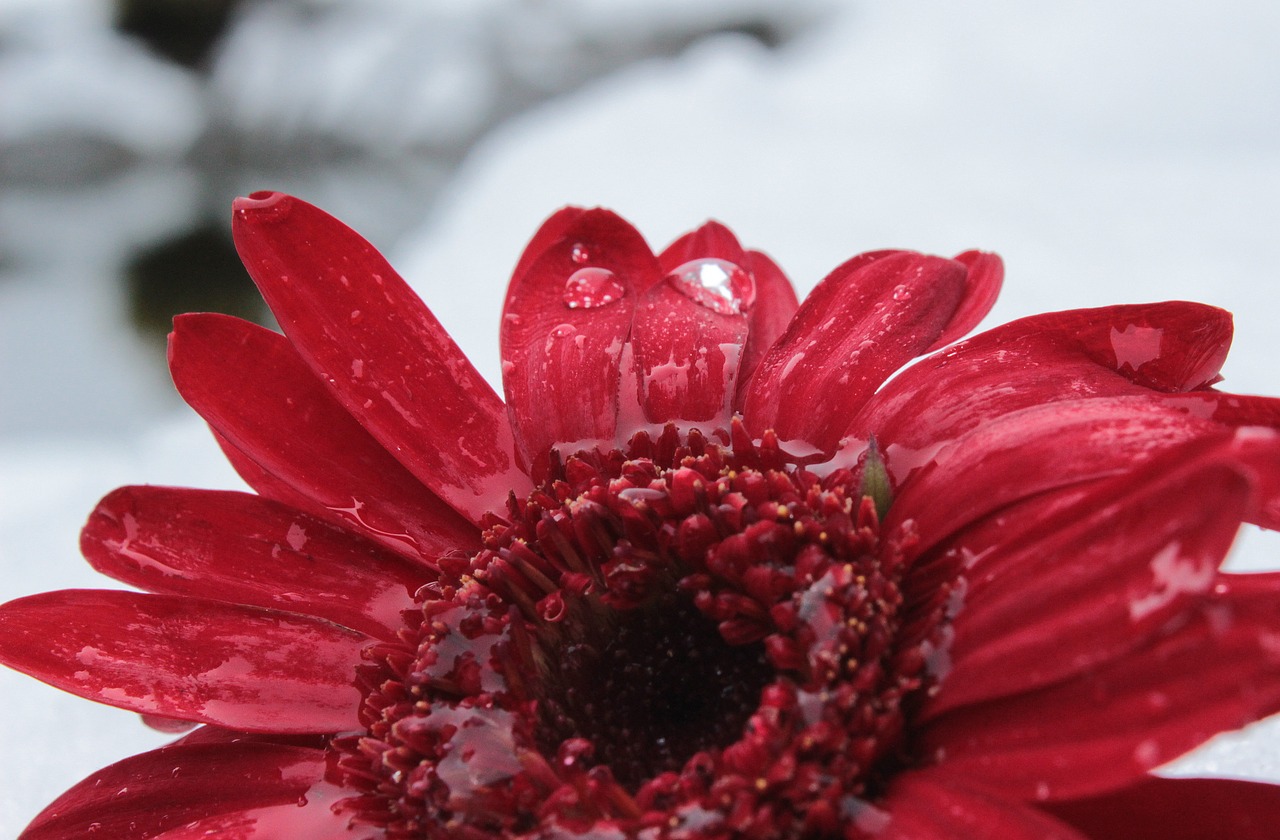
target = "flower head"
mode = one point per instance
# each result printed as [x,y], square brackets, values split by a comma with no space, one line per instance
[704,574]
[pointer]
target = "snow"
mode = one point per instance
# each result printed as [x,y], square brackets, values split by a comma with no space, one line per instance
[1110,152]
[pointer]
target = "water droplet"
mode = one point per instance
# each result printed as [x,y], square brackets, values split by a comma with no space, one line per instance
[590,288]
[579,254]
[562,331]
[718,285]
[901,293]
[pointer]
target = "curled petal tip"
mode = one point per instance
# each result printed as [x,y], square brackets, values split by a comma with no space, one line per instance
[264,205]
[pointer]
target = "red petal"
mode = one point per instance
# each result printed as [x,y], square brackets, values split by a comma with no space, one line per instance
[1178,809]
[310,817]
[982,287]
[711,240]
[930,806]
[547,235]
[774,308]
[164,789]
[227,664]
[1049,597]
[686,358]
[859,325]
[1106,729]
[560,364]
[245,549]
[1031,451]
[775,300]
[252,388]
[1083,353]
[383,354]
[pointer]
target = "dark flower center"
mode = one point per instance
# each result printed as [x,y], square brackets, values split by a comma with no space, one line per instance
[652,689]
[688,633]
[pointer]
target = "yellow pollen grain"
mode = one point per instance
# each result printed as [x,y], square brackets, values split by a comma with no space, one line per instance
[761,784]
[782,512]
[822,536]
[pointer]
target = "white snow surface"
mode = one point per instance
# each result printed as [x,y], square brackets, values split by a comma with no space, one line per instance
[1110,152]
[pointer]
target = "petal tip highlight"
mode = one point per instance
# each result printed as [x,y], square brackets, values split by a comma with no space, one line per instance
[263,206]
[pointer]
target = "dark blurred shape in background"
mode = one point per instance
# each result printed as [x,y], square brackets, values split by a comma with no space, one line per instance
[127,128]
[196,271]
[183,31]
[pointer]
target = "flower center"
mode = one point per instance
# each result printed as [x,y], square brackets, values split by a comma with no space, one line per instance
[652,688]
[688,630]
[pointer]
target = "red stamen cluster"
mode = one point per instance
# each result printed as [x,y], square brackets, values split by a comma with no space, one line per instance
[691,639]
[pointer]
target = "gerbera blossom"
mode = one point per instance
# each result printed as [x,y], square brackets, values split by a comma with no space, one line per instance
[708,572]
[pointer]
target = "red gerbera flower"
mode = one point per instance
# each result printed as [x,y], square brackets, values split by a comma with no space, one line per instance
[704,575]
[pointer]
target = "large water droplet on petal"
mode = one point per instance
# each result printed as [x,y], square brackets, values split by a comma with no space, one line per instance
[718,285]
[589,288]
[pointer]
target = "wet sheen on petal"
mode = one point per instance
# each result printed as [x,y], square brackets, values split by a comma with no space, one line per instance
[711,240]
[1020,455]
[1108,728]
[686,356]
[1048,597]
[564,327]
[246,549]
[1146,349]
[149,794]
[236,666]
[344,307]
[253,389]
[774,308]
[864,321]
[983,279]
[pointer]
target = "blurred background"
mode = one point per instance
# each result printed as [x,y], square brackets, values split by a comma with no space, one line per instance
[1112,152]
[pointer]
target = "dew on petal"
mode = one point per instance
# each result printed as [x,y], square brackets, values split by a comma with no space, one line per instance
[579,253]
[591,288]
[901,293]
[1135,345]
[718,285]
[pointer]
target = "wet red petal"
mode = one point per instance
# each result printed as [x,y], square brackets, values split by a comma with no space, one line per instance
[311,817]
[931,806]
[864,321]
[561,364]
[686,358]
[711,240]
[232,665]
[1106,729]
[774,308]
[1060,356]
[547,235]
[1048,597]
[255,391]
[148,794]
[1019,455]
[1178,809]
[246,549]
[985,275]
[380,350]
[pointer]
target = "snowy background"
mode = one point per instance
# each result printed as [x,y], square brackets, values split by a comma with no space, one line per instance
[1111,152]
